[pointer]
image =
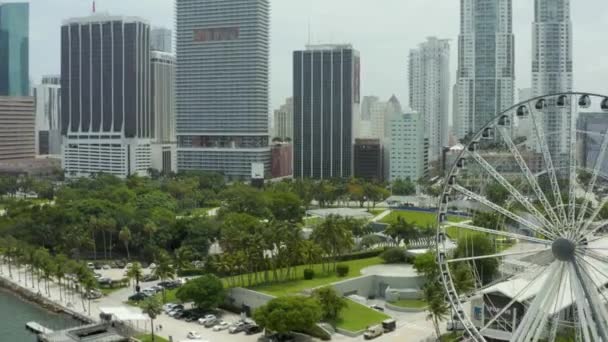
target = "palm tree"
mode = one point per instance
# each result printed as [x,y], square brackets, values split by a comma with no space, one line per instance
[164,270]
[334,236]
[311,252]
[61,267]
[135,273]
[437,307]
[151,307]
[125,237]
[183,257]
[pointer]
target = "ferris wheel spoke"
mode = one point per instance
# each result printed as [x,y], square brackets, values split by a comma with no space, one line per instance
[502,210]
[572,168]
[534,310]
[540,136]
[529,176]
[496,256]
[510,188]
[514,300]
[499,233]
[551,302]
[596,171]
[585,231]
[599,286]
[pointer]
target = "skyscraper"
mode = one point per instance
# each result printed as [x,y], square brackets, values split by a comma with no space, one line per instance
[429,90]
[162,84]
[326,97]
[17,128]
[48,124]
[485,76]
[161,40]
[105,97]
[222,85]
[14,49]
[552,66]
[408,155]
[283,121]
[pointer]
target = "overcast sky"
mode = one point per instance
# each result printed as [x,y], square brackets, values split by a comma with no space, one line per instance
[382,30]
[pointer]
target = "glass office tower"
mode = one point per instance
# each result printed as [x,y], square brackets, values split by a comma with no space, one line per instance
[14,49]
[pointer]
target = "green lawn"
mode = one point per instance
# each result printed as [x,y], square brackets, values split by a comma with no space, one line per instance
[356,317]
[312,221]
[107,290]
[148,338]
[320,279]
[419,218]
[410,303]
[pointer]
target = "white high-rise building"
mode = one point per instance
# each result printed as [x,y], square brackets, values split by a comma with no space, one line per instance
[552,65]
[48,126]
[408,155]
[283,121]
[486,75]
[377,120]
[162,94]
[429,90]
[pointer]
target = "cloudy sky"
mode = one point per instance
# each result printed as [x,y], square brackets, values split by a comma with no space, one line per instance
[382,30]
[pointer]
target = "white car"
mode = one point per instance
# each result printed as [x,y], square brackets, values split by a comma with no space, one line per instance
[106,267]
[149,291]
[168,307]
[90,265]
[193,335]
[222,325]
[152,266]
[204,320]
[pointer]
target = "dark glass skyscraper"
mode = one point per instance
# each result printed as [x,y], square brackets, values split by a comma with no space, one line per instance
[14,49]
[105,95]
[326,96]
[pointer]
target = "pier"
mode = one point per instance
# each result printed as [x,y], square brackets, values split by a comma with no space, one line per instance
[37,328]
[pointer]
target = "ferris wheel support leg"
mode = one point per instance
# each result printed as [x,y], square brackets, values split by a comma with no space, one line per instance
[585,313]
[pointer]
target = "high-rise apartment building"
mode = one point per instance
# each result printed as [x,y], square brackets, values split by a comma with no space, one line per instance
[408,155]
[485,75]
[283,121]
[552,67]
[595,124]
[429,90]
[48,109]
[162,95]
[106,117]
[17,128]
[222,85]
[161,40]
[14,49]
[326,98]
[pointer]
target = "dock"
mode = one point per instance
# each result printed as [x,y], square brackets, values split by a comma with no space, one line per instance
[37,328]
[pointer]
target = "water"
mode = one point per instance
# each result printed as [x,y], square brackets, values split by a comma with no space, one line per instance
[14,313]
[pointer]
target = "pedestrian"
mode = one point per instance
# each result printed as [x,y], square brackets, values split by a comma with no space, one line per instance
[160,327]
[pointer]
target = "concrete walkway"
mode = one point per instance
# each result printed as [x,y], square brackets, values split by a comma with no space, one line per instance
[381,216]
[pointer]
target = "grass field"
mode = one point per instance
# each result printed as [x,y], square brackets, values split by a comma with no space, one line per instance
[410,303]
[376,212]
[320,279]
[148,338]
[419,218]
[356,317]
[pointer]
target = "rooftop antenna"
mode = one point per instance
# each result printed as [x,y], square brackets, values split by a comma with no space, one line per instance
[309,30]
[93,6]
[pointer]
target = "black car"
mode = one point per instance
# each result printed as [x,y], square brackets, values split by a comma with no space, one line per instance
[253,329]
[138,297]
[149,277]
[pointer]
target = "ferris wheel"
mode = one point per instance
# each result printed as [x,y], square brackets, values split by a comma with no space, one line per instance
[522,242]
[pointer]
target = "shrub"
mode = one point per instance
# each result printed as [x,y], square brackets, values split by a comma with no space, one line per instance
[342,270]
[309,273]
[360,255]
[394,255]
[191,272]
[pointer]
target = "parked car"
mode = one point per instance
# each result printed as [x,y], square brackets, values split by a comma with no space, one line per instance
[377,307]
[202,320]
[152,266]
[104,281]
[253,329]
[211,322]
[91,265]
[97,266]
[120,264]
[149,291]
[168,307]
[373,332]
[222,325]
[175,312]
[138,297]
[106,267]
[96,275]
[193,335]
[389,325]
[237,327]
[128,265]
[278,337]
[149,277]
[93,294]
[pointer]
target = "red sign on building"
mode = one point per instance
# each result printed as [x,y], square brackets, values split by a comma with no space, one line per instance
[216,34]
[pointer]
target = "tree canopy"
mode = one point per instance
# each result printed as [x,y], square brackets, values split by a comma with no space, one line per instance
[206,292]
[286,314]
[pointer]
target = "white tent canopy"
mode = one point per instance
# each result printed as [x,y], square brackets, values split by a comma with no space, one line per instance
[122,313]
